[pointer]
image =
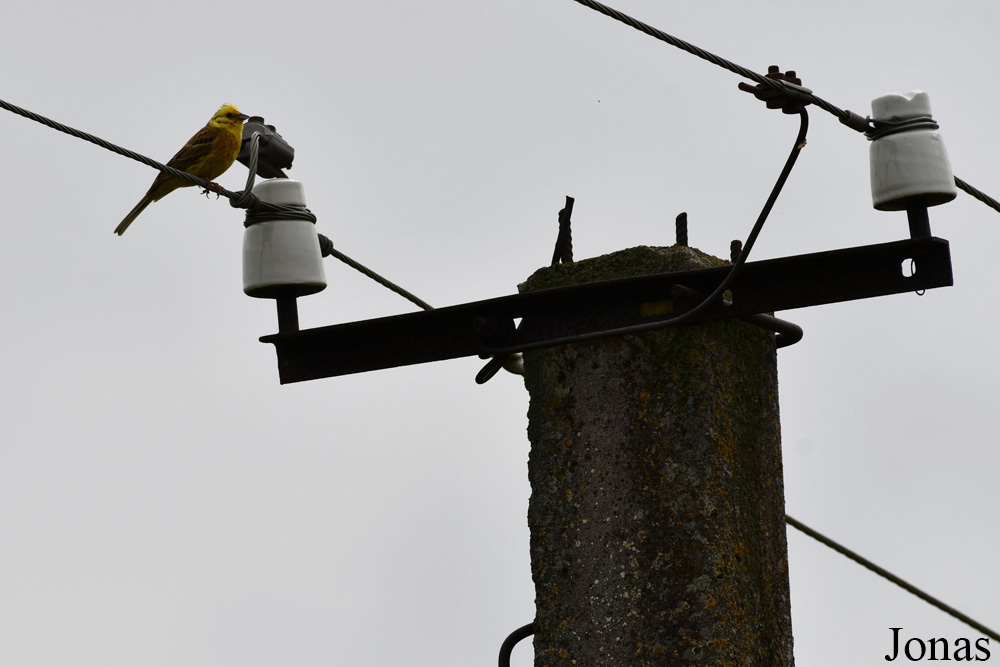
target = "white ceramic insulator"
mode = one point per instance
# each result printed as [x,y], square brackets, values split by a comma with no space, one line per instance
[910,166]
[282,253]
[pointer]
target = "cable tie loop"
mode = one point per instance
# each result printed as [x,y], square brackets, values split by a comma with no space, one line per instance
[883,128]
[325,245]
[245,199]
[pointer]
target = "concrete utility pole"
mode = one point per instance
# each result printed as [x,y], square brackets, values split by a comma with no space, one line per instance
[657,502]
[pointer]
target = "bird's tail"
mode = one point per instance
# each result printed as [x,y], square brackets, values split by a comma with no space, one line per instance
[133,214]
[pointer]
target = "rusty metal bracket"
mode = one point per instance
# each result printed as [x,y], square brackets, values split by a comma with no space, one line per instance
[609,308]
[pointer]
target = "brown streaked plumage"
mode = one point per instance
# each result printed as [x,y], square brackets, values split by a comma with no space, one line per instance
[207,155]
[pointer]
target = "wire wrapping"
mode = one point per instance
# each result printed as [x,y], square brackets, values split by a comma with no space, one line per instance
[564,241]
[258,211]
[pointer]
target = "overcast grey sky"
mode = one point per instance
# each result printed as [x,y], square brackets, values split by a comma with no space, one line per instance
[163,501]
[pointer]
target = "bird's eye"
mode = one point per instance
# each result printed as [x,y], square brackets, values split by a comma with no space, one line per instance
[229,115]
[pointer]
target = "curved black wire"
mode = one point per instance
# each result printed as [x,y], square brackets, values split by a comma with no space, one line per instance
[712,299]
[508,644]
[910,588]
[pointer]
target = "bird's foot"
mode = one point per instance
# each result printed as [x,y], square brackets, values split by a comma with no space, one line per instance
[213,187]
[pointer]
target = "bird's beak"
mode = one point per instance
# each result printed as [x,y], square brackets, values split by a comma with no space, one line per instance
[242,116]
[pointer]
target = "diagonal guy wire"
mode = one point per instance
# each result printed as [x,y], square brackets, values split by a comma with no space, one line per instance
[908,587]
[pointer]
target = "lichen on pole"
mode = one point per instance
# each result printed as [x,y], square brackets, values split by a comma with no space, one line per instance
[657,502]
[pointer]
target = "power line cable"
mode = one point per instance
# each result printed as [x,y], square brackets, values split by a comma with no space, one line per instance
[327,249]
[111,147]
[910,588]
[978,194]
[848,118]
[239,199]
[247,200]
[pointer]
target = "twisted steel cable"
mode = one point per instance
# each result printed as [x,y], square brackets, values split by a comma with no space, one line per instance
[908,587]
[848,118]
[978,194]
[243,201]
[327,250]
[107,145]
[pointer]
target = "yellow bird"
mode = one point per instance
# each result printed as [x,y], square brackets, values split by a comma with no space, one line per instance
[207,155]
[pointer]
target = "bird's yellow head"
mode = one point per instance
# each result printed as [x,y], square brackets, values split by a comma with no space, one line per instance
[228,117]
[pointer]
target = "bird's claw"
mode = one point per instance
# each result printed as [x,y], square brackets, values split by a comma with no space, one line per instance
[213,187]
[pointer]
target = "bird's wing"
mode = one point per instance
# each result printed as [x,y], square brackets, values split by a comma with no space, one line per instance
[196,151]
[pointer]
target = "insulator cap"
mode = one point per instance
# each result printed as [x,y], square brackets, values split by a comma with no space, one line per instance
[282,253]
[909,162]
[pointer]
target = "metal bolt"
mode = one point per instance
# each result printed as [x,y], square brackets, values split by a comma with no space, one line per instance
[735,250]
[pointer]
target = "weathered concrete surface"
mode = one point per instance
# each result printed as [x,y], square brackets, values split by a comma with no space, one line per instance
[657,504]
